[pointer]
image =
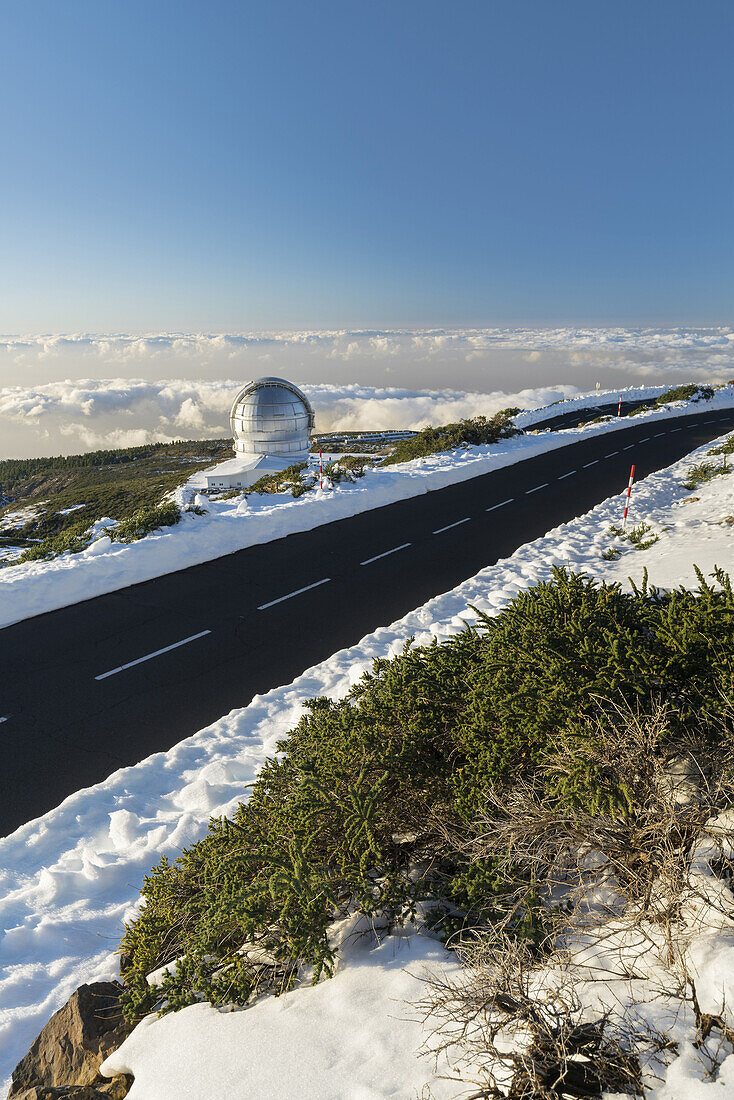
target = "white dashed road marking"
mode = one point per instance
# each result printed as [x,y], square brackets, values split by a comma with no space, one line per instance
[659,435]
[500,505]
[569,474]
[587,464]
[385,553]
[450,525]
[149,656]
[543,486]
[611,454]
[290,595]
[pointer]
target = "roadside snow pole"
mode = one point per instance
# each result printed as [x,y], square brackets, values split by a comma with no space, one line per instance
[619,409]
[321,472]
[627,502]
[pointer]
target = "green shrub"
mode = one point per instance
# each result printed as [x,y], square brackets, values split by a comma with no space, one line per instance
[73,539]
[637,536]
[143,522]
[689,392]
[344,817]
[71,492]
[349,468]
[290,478]
[725,448]
[480,429]
[355,464]
[704,471]
[611,553]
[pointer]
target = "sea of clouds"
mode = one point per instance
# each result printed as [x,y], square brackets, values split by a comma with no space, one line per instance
[70,393]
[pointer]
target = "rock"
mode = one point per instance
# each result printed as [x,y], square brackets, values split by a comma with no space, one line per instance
[116,1089]
[65,1057]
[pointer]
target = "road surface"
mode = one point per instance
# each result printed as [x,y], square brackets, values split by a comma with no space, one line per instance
[103,684]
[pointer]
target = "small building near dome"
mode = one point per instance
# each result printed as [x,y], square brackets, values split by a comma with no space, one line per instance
[271,423]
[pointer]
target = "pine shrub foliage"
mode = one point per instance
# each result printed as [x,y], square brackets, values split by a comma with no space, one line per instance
[343,817]
[478,429]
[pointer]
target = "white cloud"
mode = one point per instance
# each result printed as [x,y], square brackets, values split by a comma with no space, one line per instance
[88,412]
[96,389]
[123,346]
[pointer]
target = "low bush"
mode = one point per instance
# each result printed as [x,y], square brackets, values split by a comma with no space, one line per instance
[73,539]
[480,429]
[638,536]
[630,881]
[702,472]
[509,1039]
[290,478]
[725,448]
[346,468]
[69,493]
[347,816]
[143,522]
[689,392]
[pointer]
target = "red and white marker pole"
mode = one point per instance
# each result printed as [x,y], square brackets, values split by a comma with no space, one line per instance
[321,472]
[619,410]
[627,502]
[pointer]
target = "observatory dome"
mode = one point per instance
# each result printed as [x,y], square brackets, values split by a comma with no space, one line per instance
[272,417]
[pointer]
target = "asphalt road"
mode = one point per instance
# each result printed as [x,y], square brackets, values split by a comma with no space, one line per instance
[105,683]
[589,412]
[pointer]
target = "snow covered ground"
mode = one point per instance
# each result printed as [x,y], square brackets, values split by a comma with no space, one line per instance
[354,1038]
[105,566]
[589,400]
[68,879]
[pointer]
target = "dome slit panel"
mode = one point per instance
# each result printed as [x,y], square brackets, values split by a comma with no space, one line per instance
[271,416]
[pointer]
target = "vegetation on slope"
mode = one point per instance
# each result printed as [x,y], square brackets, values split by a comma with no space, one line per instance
[352,813]
[639,883]
[479,429]
[300,478]
[688,392]
[71,492]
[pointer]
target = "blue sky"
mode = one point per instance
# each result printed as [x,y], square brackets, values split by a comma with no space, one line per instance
[231,165]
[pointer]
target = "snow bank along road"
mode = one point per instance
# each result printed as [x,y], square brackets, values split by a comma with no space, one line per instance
[105,683]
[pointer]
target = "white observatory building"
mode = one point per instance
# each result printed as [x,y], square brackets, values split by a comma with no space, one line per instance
[271,424]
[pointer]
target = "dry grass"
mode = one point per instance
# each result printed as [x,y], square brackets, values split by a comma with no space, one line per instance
[656,796]
[623,888]
[508,1036]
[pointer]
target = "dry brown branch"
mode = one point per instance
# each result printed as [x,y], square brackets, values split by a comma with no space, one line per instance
[624,884]
[507,1034]
[635,853]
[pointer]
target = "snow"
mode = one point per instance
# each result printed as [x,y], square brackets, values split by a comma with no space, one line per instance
[69,878]
[33,588]
[353,1037]
[576,402]
[20,516]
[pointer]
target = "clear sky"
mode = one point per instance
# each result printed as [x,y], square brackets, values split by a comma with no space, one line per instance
[181,165]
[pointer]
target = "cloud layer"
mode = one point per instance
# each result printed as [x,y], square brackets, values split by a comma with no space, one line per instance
[64,393]
[86,414]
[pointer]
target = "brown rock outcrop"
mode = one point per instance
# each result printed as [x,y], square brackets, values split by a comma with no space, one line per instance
[65,1057]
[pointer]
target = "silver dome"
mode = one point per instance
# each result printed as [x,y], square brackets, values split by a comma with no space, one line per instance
[271,416]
